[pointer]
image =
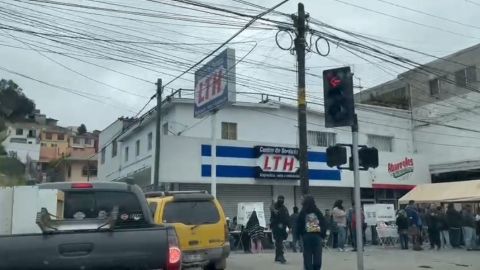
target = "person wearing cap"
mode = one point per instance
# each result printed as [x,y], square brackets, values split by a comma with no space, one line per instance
[279,221]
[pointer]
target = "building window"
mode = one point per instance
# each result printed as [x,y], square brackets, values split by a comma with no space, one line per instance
[114,148]
[102,156]
[32,133]
[126,153]
[19,131]
[382,143]
[137,148]
[48,136]
[165,128]
[43,144]
[466,76]
[53,145]
[89,170]
[229,131]
[18,140]
[434,87]
[88,141]
[69,172]
[76,140]
[318,138]
[471,74]
[150,141]
[61,137]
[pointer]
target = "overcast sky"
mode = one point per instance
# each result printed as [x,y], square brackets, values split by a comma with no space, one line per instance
[98,92]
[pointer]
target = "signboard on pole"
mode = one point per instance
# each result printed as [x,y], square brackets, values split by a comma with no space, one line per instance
[375,213]
[215,84]
[245,211]
[277,162]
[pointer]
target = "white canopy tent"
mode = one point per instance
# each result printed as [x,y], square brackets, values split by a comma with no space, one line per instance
[464,191]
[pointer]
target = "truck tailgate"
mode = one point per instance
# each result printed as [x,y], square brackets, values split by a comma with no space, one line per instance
[139,248]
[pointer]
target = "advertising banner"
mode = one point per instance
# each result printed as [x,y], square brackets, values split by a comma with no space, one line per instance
[215,84]
[245,210]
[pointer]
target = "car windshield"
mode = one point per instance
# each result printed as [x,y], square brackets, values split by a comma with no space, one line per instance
[199,212]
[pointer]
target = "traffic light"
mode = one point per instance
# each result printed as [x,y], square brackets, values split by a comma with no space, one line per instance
[338,97]
[336,156]
[368,157]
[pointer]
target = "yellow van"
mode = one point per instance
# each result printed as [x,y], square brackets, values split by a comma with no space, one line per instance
[200,223]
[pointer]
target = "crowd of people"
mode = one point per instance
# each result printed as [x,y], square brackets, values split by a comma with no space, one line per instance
[440,227]
[312,230]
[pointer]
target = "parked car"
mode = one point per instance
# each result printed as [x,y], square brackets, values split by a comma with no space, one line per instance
[104,226]
[200,223]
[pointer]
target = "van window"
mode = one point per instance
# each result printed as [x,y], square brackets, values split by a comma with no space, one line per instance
[97,204]
[199,212]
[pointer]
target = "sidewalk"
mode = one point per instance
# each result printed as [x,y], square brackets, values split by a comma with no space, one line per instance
[376,258]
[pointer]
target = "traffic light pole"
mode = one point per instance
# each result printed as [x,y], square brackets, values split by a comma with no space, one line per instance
[302,105]
[156,167]
[358,203]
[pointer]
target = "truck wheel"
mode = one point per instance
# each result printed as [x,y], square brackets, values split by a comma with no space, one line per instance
[218,265]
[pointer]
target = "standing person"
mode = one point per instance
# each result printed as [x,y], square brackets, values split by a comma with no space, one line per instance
[328,228]
[340,219]
[454,221]
[414,225]
[311,227]
[477,219]
[245,239]
[293,223]
[353,227]
[434,228]
[444,229]
[256,233]
[402,225]
[468,226]
[279,221]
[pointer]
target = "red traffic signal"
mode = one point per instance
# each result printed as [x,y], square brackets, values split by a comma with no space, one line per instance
[338,97]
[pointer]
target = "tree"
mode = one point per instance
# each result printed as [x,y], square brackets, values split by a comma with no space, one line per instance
[14,104]
[82,129]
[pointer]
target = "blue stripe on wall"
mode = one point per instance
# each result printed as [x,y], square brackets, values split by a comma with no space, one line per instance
[324,175]
[229,151]
[249,172]
[249,152]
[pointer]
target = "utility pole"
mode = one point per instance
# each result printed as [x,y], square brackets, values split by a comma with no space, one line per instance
[156,167]
[299,21]
[358,203]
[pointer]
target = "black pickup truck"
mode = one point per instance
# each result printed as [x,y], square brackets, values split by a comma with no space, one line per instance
[104,226]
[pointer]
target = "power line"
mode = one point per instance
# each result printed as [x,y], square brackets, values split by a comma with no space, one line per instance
[405,20]
[429,14]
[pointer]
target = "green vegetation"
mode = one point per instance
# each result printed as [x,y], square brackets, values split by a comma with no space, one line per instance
[12,172]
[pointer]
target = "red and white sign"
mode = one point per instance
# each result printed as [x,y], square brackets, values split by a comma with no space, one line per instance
[399,169]
[278,163]
[210,87]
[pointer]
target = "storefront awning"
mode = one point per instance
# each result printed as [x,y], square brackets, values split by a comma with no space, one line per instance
[464,191]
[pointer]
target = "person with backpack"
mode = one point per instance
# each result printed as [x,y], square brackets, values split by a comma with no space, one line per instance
[311,227]
[402,225]
[414,225]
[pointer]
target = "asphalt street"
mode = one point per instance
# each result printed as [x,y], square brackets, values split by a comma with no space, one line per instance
[376,258]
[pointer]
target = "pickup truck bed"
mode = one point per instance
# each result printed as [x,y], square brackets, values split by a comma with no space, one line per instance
[133,241]
[144,248]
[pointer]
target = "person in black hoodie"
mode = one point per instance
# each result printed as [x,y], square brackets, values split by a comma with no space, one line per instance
[279,221]
[454,221]
[402,224]
[434,224]
[311,226]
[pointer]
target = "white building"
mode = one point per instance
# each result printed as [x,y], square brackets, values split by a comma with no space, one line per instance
[23,141]
[127,151]
[444,96]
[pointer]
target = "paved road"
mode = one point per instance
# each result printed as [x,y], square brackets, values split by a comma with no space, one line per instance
[375,259]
